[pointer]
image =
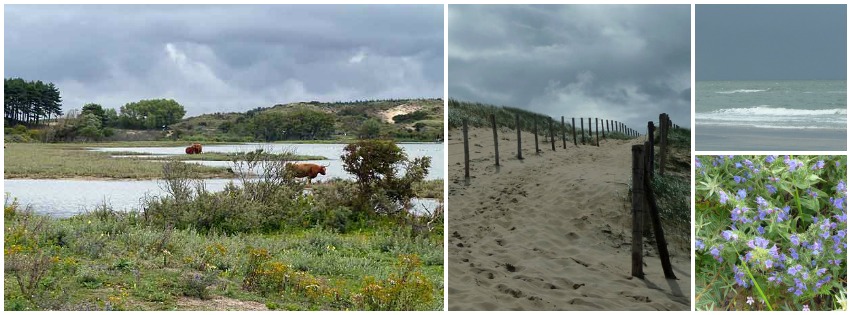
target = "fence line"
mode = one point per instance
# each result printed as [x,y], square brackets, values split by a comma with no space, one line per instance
[593,136]
[644,205]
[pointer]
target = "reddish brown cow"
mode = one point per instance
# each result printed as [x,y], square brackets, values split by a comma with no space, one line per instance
[308,170]
[195,148]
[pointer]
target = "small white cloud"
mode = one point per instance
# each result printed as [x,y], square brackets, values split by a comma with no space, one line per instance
[357,58]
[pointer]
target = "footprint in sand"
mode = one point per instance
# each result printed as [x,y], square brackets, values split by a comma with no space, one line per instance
[513,292]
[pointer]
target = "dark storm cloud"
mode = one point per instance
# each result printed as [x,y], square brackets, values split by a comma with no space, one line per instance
[770,42]
[225,57]
[627,63]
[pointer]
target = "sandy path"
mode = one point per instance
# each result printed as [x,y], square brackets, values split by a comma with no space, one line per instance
[550,232]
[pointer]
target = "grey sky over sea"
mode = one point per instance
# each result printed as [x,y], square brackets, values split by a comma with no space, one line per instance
[770,42]
[214,58]
[622,62]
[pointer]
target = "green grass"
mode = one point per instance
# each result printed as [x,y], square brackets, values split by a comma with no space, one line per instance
[679,138]
[37,160]
[478,115]
[112,261]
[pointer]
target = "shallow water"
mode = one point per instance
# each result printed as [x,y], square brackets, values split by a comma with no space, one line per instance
[65,197]
[330,151]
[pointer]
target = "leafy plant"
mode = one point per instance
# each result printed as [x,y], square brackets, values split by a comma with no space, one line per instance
[771,231]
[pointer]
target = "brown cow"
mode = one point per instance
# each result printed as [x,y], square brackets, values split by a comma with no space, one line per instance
[195,148]
[309,170]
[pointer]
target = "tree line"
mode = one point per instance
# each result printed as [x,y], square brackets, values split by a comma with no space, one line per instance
[29,102]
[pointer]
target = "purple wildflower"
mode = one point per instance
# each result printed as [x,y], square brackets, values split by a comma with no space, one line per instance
[715,251]
[794,239]
[723,199]
[729,235]
[837,202]
[783,215]
[740,277]
[771,189]
[770,158]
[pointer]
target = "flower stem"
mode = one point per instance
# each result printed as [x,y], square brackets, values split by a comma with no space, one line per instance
[756,286]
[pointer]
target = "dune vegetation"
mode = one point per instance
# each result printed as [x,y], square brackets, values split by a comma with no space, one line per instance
[265,244]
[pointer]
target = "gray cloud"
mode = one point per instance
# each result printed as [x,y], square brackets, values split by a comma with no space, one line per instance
[771,42]
[627,63]
[227,57]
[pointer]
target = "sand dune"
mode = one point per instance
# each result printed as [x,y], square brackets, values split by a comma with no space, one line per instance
[550,232]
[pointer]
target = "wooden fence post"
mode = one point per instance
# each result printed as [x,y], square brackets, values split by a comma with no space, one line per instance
[663,141]
[651,156]
[637,209]
[495,140]
[597,129]
[582,128]
[590,133]
[466,152]
[517,125]
[603,127]
[552,136]
[573,125]
[661,244]
[609,125]
[563,134]
[537,150]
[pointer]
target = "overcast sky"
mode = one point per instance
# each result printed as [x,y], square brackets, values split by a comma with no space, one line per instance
[627,63]
[227,57]
[770,42]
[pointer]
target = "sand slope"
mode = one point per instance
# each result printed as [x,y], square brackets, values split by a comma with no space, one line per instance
[550,232]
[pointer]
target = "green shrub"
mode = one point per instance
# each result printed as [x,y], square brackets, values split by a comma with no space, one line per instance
[405,290]
[197,284]
[376,164]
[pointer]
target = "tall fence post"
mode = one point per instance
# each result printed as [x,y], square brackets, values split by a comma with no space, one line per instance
[466,152]
[661,244]
[637,209]
[573,125]
[664,122]
[563,134]
[582,128]
[597,129]
[495,140]
[517,125]
[609,125]
[603,127]
[552,136]
[590,133]
[536,136]
[651,156]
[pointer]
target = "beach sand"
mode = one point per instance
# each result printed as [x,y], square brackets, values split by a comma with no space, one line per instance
[550,232]
[726,138]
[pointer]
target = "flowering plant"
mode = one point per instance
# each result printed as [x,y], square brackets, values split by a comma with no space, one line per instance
[771,232]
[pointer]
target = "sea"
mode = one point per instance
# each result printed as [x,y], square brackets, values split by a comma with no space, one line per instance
[767,112]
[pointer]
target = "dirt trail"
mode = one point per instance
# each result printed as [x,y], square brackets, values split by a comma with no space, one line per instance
[550,232]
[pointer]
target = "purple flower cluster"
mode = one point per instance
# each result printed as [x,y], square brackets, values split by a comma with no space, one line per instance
[810,255]
[793,164]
